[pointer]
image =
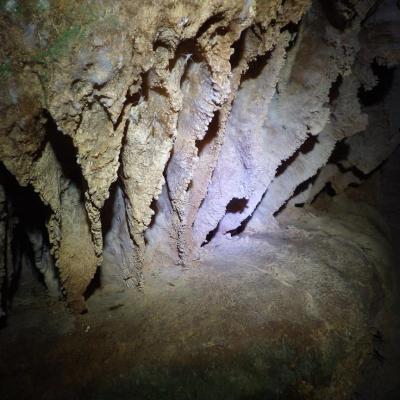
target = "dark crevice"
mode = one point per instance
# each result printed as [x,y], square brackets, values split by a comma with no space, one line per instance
[235,206]
[131,99]
[238,50]
[32,215]
[28,206]
[299,189]
[306,147]
[187,48]
[378,92]
[107,212]
[155,209]
[160,43]
[290,27]
[326,189]
[329,189]
[258,31]
[241,227]
[120,161]
[165,175]
[256,66]
[210,236]
[121,177]
[145,89]
[304,185]
[211,134]
[185,75]
[94,285]
[220,31]
[334,91]
[340,14]
[339,153]
[293,29]
[162,91]
[213,20]
[103,106]
[190,185]
[355,171]
[281,208]
[65,152]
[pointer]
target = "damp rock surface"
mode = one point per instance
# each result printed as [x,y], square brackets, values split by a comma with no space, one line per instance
[188,107]
[278,314]
[204,180]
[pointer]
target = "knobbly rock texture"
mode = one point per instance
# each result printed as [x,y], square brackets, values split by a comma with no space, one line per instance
[278,312]
[205,117]
[137,137]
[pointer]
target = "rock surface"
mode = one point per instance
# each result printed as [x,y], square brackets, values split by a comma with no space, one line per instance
[279,313]
[140,137]
[230,105]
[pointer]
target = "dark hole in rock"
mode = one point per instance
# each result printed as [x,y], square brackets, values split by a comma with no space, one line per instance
[221,31]
[189,186]
[130,99]
[330,190]
[65,152]
[160,43]
[187,48]
[306,147]
[107,212]
[340,14]
[356,172]
[378,92]
[154,207]
[299,189]
[256,66]
[303,186]
[339,153]
[237,205]
[215,19]
[210,236]
[291,27]
[32,215]
[238,50]
[335,89]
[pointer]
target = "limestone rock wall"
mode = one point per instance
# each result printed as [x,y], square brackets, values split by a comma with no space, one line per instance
[206,117]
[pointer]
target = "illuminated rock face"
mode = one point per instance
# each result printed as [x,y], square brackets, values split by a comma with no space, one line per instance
[184,153]
[147,128]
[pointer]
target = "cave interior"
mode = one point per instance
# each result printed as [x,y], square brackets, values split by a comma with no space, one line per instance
[200,199]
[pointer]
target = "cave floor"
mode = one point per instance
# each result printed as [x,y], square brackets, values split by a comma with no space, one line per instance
[294,313]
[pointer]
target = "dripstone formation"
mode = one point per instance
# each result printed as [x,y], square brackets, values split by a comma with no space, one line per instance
[184,120]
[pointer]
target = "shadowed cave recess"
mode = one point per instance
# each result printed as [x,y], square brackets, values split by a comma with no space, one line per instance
[199,199]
